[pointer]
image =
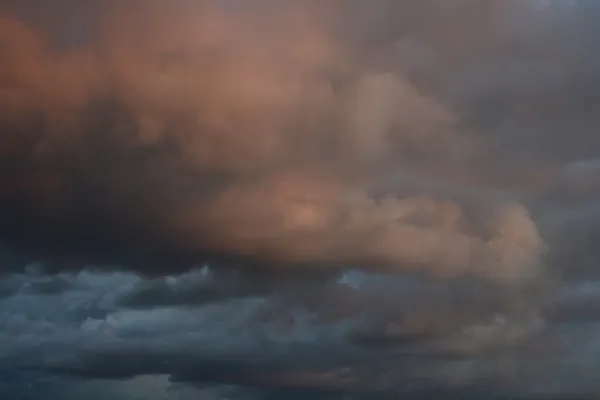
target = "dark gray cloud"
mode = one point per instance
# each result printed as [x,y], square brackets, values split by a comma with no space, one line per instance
[360,336]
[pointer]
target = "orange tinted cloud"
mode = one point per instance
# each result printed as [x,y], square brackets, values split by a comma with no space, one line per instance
[193,127]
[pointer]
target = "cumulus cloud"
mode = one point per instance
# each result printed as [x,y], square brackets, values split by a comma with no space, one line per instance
[253,133]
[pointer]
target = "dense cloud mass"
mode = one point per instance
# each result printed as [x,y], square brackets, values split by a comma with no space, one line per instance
[298,199]
[202,128]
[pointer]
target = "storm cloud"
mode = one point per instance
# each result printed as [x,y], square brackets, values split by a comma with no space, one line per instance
[301,199]
[207,130]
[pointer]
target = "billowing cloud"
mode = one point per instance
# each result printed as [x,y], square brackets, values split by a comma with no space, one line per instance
[195,128]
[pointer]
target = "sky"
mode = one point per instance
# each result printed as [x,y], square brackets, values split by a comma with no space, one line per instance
[299,199]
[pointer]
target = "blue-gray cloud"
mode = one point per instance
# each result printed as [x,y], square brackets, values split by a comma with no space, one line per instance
[357,335]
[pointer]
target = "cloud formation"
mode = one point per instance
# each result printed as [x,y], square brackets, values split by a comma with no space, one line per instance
[185,186]
[364,335]
[207,128]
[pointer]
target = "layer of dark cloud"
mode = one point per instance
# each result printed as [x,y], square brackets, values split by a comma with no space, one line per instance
[364,336]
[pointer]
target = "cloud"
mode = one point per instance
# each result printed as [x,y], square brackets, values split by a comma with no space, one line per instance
[381,335]
[187,132]
[298,200]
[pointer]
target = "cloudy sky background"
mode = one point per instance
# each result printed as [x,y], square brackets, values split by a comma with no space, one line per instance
[300,199]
